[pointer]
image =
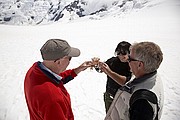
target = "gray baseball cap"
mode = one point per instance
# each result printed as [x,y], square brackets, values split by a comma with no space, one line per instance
[54,49]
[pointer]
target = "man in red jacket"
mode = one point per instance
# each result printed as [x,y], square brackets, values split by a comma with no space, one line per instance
[46,96]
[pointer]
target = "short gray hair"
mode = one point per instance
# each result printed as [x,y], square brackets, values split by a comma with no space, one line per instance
[149,53]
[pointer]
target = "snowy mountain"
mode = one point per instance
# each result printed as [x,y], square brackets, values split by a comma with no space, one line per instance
[33,12]
[95,31]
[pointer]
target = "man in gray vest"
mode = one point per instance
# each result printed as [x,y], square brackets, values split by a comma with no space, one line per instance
[142,97]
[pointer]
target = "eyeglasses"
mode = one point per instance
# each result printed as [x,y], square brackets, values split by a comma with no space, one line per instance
[131,59]
[69,58]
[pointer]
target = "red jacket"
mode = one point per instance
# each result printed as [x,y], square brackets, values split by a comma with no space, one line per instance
[45,99]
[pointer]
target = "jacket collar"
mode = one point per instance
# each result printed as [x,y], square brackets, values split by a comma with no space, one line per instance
[129,86]
[53,76]
[143,78]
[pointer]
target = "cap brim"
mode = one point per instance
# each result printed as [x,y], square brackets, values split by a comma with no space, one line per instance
[75,52]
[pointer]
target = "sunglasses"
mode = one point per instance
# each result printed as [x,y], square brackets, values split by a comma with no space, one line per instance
[131,59]
[121,53]
[69,58]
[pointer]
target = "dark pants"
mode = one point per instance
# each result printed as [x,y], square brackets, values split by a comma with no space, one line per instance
[107,100]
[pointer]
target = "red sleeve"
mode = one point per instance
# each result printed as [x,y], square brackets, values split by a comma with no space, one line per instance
[67,75]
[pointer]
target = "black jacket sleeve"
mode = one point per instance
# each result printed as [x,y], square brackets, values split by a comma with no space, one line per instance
[141,110]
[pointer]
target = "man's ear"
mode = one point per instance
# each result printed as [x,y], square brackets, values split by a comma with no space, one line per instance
[57,61]
[141,64]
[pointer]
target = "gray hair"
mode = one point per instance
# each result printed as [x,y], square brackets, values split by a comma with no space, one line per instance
[149,53]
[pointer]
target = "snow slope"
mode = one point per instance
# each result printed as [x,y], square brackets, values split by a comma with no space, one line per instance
[94,37]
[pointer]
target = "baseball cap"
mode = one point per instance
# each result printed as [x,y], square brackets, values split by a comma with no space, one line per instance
[56,48]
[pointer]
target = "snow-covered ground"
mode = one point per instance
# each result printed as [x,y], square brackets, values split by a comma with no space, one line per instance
[95,38]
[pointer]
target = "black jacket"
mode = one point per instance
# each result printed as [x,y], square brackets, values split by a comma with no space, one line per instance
[119,67]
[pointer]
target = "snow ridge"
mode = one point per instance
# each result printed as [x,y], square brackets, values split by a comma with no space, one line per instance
[34,12]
